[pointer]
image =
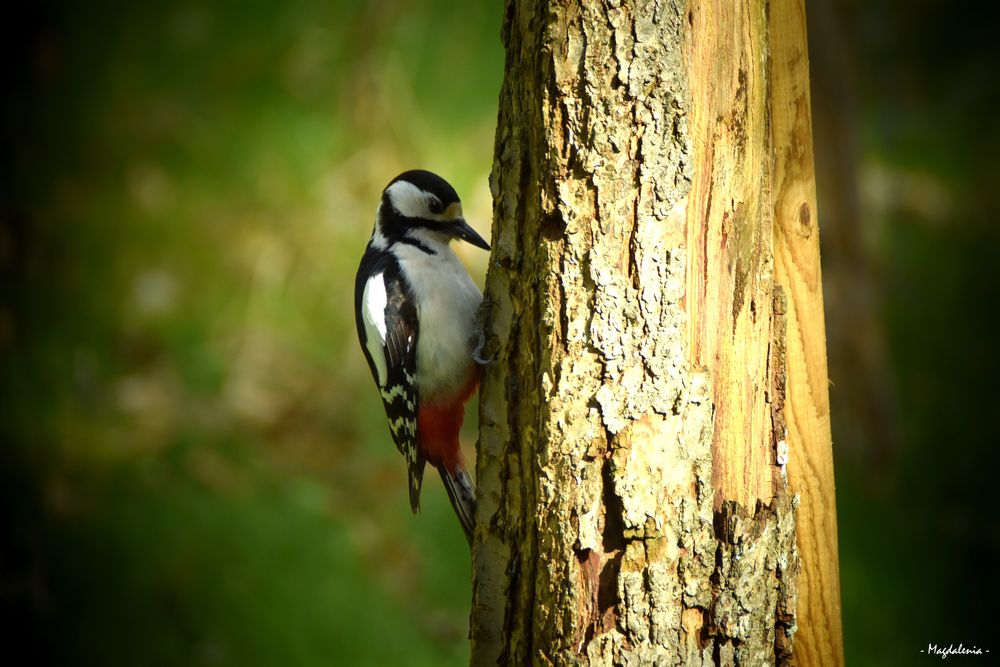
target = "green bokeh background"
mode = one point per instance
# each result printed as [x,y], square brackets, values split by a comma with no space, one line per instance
[195,469]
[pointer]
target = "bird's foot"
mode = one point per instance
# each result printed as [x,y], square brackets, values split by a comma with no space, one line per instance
[479,339]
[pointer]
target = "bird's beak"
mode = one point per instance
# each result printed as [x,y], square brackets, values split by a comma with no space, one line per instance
[461,229]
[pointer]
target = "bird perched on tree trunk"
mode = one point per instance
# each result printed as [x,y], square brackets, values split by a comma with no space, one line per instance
[415,307]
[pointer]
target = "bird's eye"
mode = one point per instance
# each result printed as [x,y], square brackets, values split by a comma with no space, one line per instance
[435,205]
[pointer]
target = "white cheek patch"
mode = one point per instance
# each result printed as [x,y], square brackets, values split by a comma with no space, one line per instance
[373,302]
[412,202]
[408,199]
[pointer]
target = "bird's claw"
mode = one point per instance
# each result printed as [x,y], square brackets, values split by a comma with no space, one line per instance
[480,338]
[477,353]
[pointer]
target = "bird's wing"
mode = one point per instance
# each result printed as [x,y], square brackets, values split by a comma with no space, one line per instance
[388,329]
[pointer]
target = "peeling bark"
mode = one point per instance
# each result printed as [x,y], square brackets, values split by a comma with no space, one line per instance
[633,506]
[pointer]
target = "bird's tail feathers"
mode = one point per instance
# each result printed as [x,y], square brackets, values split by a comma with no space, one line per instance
[462,494]
[415,472]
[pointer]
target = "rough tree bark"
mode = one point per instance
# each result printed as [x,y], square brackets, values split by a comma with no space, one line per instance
[658,347]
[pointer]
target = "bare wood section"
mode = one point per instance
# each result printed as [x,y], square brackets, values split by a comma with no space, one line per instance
[729,231]
[807,407]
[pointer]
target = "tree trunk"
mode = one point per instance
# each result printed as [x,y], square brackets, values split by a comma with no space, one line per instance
[634,506]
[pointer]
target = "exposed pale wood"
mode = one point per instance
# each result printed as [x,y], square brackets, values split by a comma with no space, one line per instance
[729,272]
[807,408]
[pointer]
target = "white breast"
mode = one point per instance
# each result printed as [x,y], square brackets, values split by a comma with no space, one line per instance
[446,306]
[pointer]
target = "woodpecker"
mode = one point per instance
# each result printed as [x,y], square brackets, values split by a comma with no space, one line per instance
[415,307]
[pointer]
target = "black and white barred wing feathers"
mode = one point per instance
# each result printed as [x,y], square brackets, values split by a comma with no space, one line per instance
[388,330]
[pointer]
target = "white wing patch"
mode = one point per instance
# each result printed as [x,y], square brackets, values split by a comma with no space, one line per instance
[373,302]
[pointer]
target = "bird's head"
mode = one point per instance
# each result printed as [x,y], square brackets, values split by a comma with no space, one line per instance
[422,206]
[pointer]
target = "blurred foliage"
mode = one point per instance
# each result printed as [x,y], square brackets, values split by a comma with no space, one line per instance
[919,529]
[194,467]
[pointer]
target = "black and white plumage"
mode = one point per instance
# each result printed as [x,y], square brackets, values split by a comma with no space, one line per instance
[415,307]
[388,329]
